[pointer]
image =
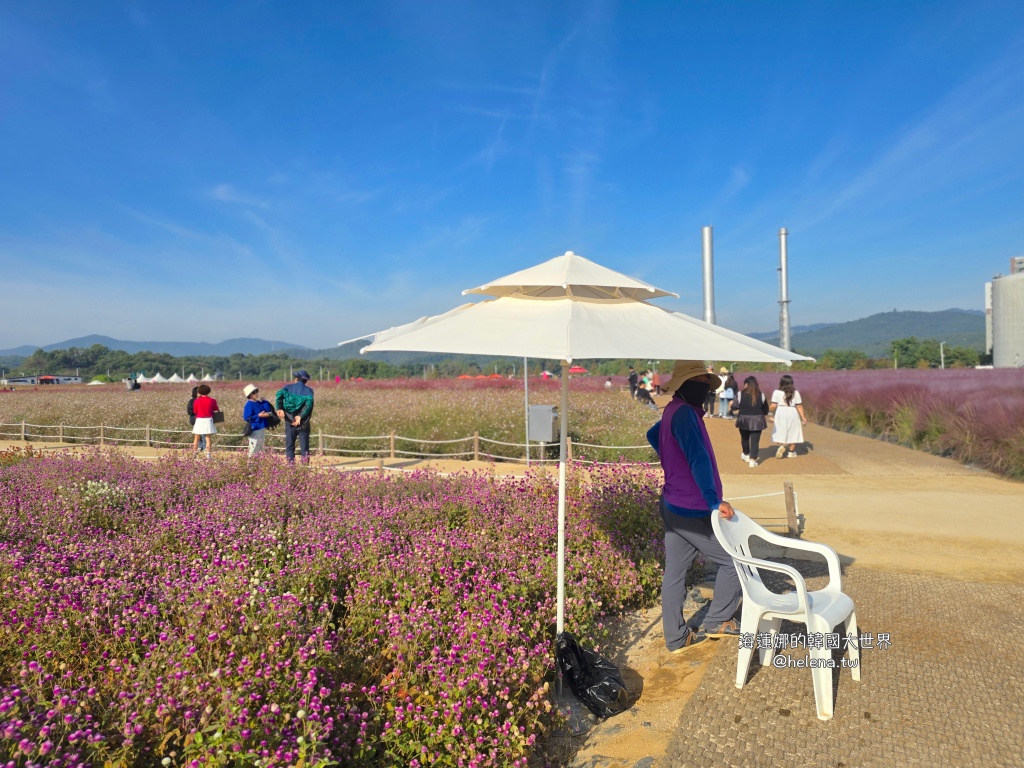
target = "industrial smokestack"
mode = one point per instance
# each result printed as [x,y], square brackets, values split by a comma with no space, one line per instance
[784,339]
[709,278]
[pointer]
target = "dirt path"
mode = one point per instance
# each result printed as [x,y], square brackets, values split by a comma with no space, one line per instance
[877,504]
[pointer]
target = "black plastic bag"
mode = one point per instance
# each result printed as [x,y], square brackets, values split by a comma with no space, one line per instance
[595,680]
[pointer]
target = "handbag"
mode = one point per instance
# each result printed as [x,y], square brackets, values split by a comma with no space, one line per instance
[247,429]
[273,420]
[218,417]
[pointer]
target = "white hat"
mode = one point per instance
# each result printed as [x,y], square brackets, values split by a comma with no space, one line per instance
[249,389]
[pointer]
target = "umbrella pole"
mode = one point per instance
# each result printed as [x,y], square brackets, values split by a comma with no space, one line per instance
[563,427]
[526,398]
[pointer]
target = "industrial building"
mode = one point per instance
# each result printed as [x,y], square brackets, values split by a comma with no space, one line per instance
[1004,304]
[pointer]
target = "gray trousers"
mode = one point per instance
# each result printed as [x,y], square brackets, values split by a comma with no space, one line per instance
[684,538]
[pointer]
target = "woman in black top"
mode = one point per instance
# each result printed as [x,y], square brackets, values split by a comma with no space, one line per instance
[750,410]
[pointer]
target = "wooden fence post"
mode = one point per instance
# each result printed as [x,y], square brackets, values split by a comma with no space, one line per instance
[60,433]
[320,442]
[149,441]
[380,465]
[101,434]
[568,449]
[791,521]
[476,446]
[392,445]
[23,430]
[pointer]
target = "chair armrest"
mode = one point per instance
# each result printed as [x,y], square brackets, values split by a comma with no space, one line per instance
[793,573]
[830,555]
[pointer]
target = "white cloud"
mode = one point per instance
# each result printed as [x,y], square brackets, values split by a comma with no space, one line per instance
[228,194]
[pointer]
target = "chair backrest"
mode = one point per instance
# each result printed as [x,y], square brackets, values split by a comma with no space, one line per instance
[734,535]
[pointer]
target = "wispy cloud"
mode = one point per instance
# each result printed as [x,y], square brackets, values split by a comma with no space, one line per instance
[987,109]
[226,193]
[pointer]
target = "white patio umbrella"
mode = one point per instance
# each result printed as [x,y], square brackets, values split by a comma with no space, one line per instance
[570,308]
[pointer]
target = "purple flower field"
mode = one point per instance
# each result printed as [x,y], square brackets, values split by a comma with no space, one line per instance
[974,416]
[230,612]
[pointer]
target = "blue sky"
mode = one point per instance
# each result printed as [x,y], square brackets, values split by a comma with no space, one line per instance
[312,171]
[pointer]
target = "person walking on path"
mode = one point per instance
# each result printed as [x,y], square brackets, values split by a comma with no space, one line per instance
[192,417]
[633,381]
[725,397]
[750,410]
[788,410]
[656,382]
[204,407]
[255,415]
[294,404]
[711,401]
[691,494]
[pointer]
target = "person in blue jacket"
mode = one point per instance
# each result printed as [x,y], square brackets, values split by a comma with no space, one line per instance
[691,494]
[255,415]
[294,404]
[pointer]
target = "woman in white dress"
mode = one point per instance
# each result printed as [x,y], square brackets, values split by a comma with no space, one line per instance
[788,410]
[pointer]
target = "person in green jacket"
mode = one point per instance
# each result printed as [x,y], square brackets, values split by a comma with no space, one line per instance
[294,404]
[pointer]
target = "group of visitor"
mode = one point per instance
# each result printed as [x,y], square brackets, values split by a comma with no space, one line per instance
[293,405]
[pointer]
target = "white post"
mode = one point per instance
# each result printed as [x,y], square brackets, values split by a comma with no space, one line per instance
[526,398]
[942,355]
[562,433]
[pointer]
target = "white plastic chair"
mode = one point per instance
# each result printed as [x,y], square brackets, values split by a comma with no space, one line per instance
[764,610]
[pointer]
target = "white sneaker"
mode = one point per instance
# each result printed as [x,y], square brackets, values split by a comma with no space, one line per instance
[753,462]
[781,452]
[744,457]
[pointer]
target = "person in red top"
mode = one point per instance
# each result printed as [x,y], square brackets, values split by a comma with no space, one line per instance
[204,407]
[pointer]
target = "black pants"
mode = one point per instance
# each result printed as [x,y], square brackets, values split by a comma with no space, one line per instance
[750,442]
[301,433]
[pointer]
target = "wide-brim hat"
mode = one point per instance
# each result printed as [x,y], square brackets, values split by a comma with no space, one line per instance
[249,389]
[301,374]
[684,370]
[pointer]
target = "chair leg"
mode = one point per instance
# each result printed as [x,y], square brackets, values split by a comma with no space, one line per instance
[772,627]
[822,678]
[853,650]
[749,623]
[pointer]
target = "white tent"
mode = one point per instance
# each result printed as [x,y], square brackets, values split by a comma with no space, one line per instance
[142,379]
[570,308]
[191,378]
[158,379]
[95,383]
[207,377]
[176,379]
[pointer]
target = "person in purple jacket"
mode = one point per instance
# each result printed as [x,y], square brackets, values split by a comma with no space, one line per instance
[691,494]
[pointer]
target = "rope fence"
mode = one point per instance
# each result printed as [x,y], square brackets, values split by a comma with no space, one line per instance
[375,446]
[390,445]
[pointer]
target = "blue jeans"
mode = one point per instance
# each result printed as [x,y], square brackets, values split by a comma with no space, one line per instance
[723,407]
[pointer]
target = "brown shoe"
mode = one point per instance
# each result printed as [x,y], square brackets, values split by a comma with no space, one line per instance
[692,639]
[730,628]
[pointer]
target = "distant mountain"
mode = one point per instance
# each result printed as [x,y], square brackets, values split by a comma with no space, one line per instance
[872,335]
[176,348]
[769,335]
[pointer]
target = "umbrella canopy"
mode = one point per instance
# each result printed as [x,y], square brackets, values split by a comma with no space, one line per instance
[570,275]
[571,308]
[175,379]
[578,369]
[191,378]
[158,379]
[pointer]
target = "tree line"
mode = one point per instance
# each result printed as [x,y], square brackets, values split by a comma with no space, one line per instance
[99,361]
